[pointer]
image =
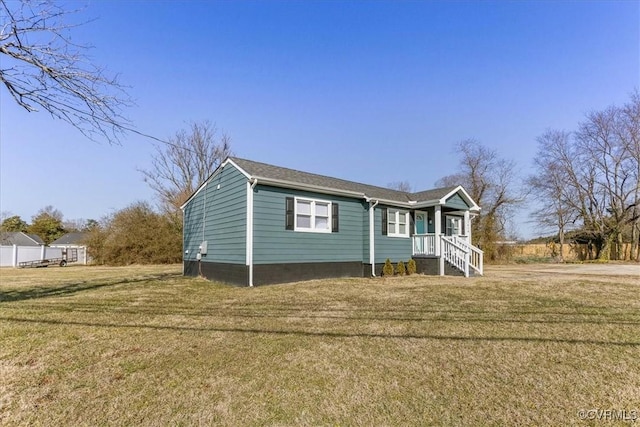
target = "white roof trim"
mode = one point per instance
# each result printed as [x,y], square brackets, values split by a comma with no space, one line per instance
[308,187]
[465,196]
[326,190]
[242,171]
[442,201]
[213,175]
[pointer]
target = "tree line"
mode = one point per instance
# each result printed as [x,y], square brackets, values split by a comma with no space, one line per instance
[585,185]
[585,188]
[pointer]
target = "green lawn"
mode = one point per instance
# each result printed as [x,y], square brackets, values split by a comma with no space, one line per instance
[145,346]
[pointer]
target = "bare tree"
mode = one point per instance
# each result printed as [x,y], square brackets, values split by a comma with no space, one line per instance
[548,186]
[592,178]
[42,69]
[491,182]
[179,167]
[630,136]
[400,186]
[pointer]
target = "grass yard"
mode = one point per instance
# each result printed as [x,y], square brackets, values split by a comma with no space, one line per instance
[144,346]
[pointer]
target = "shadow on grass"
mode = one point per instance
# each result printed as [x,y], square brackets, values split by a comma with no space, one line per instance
[423,315]
[71,288]
[327,334]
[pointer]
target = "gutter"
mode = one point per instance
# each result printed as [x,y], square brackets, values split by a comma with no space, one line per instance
[310,187]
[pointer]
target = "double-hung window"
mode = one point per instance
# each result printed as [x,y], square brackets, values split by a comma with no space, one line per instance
[313,215]
[397,223]
[453,226]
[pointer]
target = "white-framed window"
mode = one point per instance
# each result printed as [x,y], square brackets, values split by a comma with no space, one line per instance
[453,225]
[397,223]
[312,215]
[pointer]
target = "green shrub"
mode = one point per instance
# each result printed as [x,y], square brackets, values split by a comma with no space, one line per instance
[411,267]
[387,270]
[401,269]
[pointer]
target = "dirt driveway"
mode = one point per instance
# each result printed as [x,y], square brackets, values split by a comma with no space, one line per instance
[612,269]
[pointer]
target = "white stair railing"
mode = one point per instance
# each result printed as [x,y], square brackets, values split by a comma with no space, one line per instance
[476,259]
[456,254]
[462,255]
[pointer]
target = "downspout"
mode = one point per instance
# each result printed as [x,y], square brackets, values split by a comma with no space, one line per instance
[372,237]
[250,229]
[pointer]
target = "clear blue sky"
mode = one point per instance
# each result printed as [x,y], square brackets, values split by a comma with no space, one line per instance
[374,92]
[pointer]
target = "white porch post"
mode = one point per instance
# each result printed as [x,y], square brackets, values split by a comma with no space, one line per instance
[438,232]
[14,260]
[438,227]
[441,259]
[42,252]
[467,226]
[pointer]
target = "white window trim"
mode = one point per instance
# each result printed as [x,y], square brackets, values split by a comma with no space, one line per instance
[396,221]
[313,215]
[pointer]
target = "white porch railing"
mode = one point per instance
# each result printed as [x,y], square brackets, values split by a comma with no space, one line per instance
[456,250]
[424,244]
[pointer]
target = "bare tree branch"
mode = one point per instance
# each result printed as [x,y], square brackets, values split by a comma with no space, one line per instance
[43,70]
[490,181]
[184,162]
[400,186]
[591,178]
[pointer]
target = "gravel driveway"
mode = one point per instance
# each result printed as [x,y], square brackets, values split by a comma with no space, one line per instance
[612,269]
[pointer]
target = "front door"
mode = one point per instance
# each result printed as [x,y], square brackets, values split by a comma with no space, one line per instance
[421,219]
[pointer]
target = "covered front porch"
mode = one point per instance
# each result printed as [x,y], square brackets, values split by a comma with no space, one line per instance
[446,234]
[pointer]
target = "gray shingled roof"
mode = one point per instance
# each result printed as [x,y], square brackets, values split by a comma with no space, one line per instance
[263,170]
[20,239]
[70,239]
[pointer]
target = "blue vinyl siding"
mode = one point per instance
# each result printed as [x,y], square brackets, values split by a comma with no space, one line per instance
[224,219]
[365,233]
[274,244]
[394,248]
[456,202]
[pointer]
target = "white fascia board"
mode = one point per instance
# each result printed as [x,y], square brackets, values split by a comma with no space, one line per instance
[235,165]
[309,187]
[465,196]
[213,175]
[407,205]
[428,204]
[326,190]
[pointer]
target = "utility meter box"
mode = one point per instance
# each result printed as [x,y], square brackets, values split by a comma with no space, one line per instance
[203,248]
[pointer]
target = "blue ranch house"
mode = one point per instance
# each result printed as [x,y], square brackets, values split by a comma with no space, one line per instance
[252,223]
